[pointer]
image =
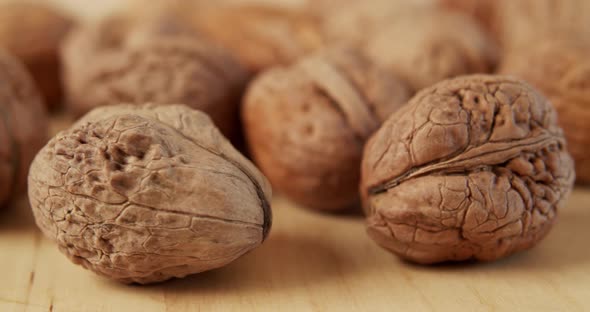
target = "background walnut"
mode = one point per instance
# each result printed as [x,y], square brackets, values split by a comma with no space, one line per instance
[23,125]
[259,36]
[561,69]
[146,193]
[33,32]
[427,47]
[105,64]
[483,11]
[474,167]
[306,124]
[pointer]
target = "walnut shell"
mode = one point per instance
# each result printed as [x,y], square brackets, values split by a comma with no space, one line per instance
[483,11]
[106,63]
[33,32]
[427,47]
[23,125]
[561,69]
[306,124]
[472,168]
[146,193]
[259,36]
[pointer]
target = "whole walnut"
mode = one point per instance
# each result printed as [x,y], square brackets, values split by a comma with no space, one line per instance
[430,46]
[147,193]
[471,168]
[560,68]
[306,124]
[23,125]
[259,36]
[112,62]
[33,32]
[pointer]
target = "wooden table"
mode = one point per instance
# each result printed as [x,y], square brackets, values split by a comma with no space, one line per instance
[311,262]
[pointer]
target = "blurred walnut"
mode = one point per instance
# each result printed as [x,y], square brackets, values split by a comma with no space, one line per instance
[259,36]
[118,61]
[561,69]
[23,125]
[146,193]
[471,168]
[306,124]
[33,33]
[429,46]
[483,11]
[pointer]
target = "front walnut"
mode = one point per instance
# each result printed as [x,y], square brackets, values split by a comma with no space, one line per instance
[146,193]
[306,124]
[471,168]
[427,47]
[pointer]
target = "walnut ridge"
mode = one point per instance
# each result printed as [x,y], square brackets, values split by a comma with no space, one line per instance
[23,125]
[306,124]
[471,168]
[146,193]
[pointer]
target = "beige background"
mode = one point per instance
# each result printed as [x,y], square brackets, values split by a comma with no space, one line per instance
[311,262]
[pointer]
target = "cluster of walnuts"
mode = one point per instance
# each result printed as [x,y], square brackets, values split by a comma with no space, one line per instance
[449,123]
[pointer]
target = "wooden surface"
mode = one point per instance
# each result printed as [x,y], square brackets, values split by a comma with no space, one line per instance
[311,262]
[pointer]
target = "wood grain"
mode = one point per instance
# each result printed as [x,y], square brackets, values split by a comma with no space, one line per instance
[311,262]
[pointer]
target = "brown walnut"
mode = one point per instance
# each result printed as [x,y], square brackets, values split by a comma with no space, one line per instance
[259,36]
[23,125]
[560,68]
[33,33]
[430,46]
[471,168]
[118,61]
[306,124]
[146,193]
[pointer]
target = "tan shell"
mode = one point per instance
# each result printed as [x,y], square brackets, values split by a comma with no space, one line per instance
[427,47]
[259,36]
[306,124]
[23,125]
[33,32]
[561,70]
[114,62]
[471,168]
[146,193]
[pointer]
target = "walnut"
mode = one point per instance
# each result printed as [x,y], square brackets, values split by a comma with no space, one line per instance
[430,46]
[33,32]
[259,36]
[561,69]
[106,63]
[23,125]
[471,168]
[306,124]
[147,193]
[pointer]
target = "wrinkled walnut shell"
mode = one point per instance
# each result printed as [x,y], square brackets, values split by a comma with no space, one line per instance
[33,33]
[430,46]
[561,70]
[113,62]
[23,125]
[146,193]
[306,124]
[259,36]
[471,168]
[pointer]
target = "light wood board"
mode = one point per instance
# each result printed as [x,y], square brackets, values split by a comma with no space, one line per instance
[311,262]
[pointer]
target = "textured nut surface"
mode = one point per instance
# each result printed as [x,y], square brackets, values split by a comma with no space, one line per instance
[146,193]
[259,36]
[471,168]
[306,124]
[112,62]
[33,32]
[561,70]
[23,125]
[429,46]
